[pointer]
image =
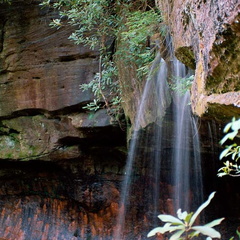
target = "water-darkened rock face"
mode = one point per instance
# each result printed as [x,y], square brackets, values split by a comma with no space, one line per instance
[60,165]
[42,200]
[40,98]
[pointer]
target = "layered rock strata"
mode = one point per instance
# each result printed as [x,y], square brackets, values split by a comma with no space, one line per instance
[60,164]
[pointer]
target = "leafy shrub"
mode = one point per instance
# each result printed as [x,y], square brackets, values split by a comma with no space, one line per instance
[139,26]
[183,227]
[231,167]
[181,85]
[100,21]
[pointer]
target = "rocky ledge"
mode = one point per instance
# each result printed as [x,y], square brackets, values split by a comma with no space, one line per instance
[206,38]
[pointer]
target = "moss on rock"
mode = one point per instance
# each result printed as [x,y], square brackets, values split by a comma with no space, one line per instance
[186,56]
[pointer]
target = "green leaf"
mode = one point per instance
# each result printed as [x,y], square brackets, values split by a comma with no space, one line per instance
[227,127]
[169,218]
[205,204]
[234,155]
[238,233]
[223,140]
[177,235]
[161,230]
[187,219]
[236,125]
[166,228]
[230,135]
[214,222]
[224,153]
[193,234]
[155,231]
[181,215]
[221,174]
[208,231]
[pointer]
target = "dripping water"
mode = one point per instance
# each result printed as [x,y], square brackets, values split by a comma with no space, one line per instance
[186,165]
[164,172]
[151,110]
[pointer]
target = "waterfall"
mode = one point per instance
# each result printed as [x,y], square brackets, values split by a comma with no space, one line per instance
[158,171]
[186,167]
[151,109]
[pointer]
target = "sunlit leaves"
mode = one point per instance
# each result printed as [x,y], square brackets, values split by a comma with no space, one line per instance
[177,235]
[231,167]
[238,233]
[182,215]
[104,84]
[182,226]
[93,19]
[208,231]
[170,219]
[204,205]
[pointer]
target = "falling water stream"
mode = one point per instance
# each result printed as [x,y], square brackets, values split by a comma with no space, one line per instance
[160,175]
[186,153]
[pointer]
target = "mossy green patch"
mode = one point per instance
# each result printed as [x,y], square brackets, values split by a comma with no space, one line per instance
[186,56]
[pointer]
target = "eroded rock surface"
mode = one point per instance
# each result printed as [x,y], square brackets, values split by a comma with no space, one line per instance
[40,73]
[42,200]
[61,167]
[206,38]
[40,68]
[59,164]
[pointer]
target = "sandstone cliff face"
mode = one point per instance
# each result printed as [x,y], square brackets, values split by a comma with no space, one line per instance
[40,68]
[40,73]
[206,38]
[57,160]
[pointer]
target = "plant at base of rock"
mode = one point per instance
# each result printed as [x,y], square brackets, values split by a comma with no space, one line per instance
[183,225]
[231,167]
[181,85]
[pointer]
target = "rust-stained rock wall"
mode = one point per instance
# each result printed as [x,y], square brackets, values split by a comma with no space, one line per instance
[206,38]
[42,200]
[59,165]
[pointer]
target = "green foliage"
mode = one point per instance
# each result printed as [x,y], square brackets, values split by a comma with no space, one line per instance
[182,226]
[93,19]
[140,25]
[181,85]
[102,21]
[238,233]
[231,167]
[105,88]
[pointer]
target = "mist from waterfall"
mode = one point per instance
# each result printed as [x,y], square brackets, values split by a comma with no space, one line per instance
[160,175]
